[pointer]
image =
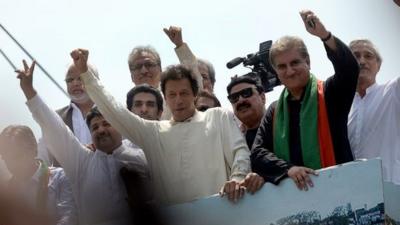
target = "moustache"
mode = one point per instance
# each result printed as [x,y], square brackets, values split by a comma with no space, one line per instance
[102,136]
[243,105]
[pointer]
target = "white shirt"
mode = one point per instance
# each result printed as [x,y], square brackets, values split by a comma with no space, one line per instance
[138,151]
[98,189]
[60,201]
[374,127]
[187,160]
[81,130]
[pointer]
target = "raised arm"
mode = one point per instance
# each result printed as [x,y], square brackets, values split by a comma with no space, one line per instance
[141,132]
[185,55]
[61,141]
[315,27]
[341,56]
[344,81]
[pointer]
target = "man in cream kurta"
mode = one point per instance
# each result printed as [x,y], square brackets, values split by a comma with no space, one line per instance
[187,160]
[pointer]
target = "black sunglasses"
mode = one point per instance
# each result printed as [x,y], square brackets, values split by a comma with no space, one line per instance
[245,93]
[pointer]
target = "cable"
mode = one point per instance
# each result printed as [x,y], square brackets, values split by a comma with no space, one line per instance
[30,56]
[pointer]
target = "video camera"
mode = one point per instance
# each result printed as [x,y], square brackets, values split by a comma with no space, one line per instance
[260,67]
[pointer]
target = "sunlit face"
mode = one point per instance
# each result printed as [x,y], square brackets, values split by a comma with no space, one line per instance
[145,106]
[293,70]
[75,86]
[145,69]
[180,99]
[368,61]
[207,85]
[248,107]
[104,136]
[204,103]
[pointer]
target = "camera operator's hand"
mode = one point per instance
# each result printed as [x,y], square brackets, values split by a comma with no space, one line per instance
[175,35]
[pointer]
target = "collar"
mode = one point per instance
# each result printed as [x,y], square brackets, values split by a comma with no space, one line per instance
[194,117]
[74,106]
[116,151]
[369,90]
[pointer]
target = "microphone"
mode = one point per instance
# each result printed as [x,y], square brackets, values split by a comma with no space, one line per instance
[234,62]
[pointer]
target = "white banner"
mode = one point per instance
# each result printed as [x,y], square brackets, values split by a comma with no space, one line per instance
[350,193]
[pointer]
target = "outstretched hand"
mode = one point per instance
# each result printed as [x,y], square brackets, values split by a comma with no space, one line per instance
[175,35]
[253,182]
[233,190]
[301,177]
[80,57]
[313,24]
[26,79]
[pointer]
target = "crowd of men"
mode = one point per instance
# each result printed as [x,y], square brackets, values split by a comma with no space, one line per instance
[102,162]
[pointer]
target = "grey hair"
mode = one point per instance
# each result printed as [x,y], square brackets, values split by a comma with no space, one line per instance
[141,48]
[368,43]
[286,43]
[210,68]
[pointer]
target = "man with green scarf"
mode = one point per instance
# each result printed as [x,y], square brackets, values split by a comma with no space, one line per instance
[306,129]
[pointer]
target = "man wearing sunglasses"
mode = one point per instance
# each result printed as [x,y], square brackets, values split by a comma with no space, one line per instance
[248,99]
[307,128]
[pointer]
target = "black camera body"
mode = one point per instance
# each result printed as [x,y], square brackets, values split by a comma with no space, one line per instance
[260,67]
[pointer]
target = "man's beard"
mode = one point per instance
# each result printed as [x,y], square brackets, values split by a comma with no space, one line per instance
[80,99]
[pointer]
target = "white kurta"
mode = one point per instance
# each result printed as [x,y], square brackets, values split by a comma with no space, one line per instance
[81,131]
[374,127]
[98,189]
[187,160]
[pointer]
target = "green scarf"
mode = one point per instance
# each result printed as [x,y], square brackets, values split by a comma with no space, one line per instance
[308,126]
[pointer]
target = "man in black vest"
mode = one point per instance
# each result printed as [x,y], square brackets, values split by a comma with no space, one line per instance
[73,114]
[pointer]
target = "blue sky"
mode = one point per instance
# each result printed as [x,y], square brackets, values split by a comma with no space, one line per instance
[215,30]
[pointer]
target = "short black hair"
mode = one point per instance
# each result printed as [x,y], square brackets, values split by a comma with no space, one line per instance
[179,72]
[146,89]
[206,94]
[244,79]
[93,113]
